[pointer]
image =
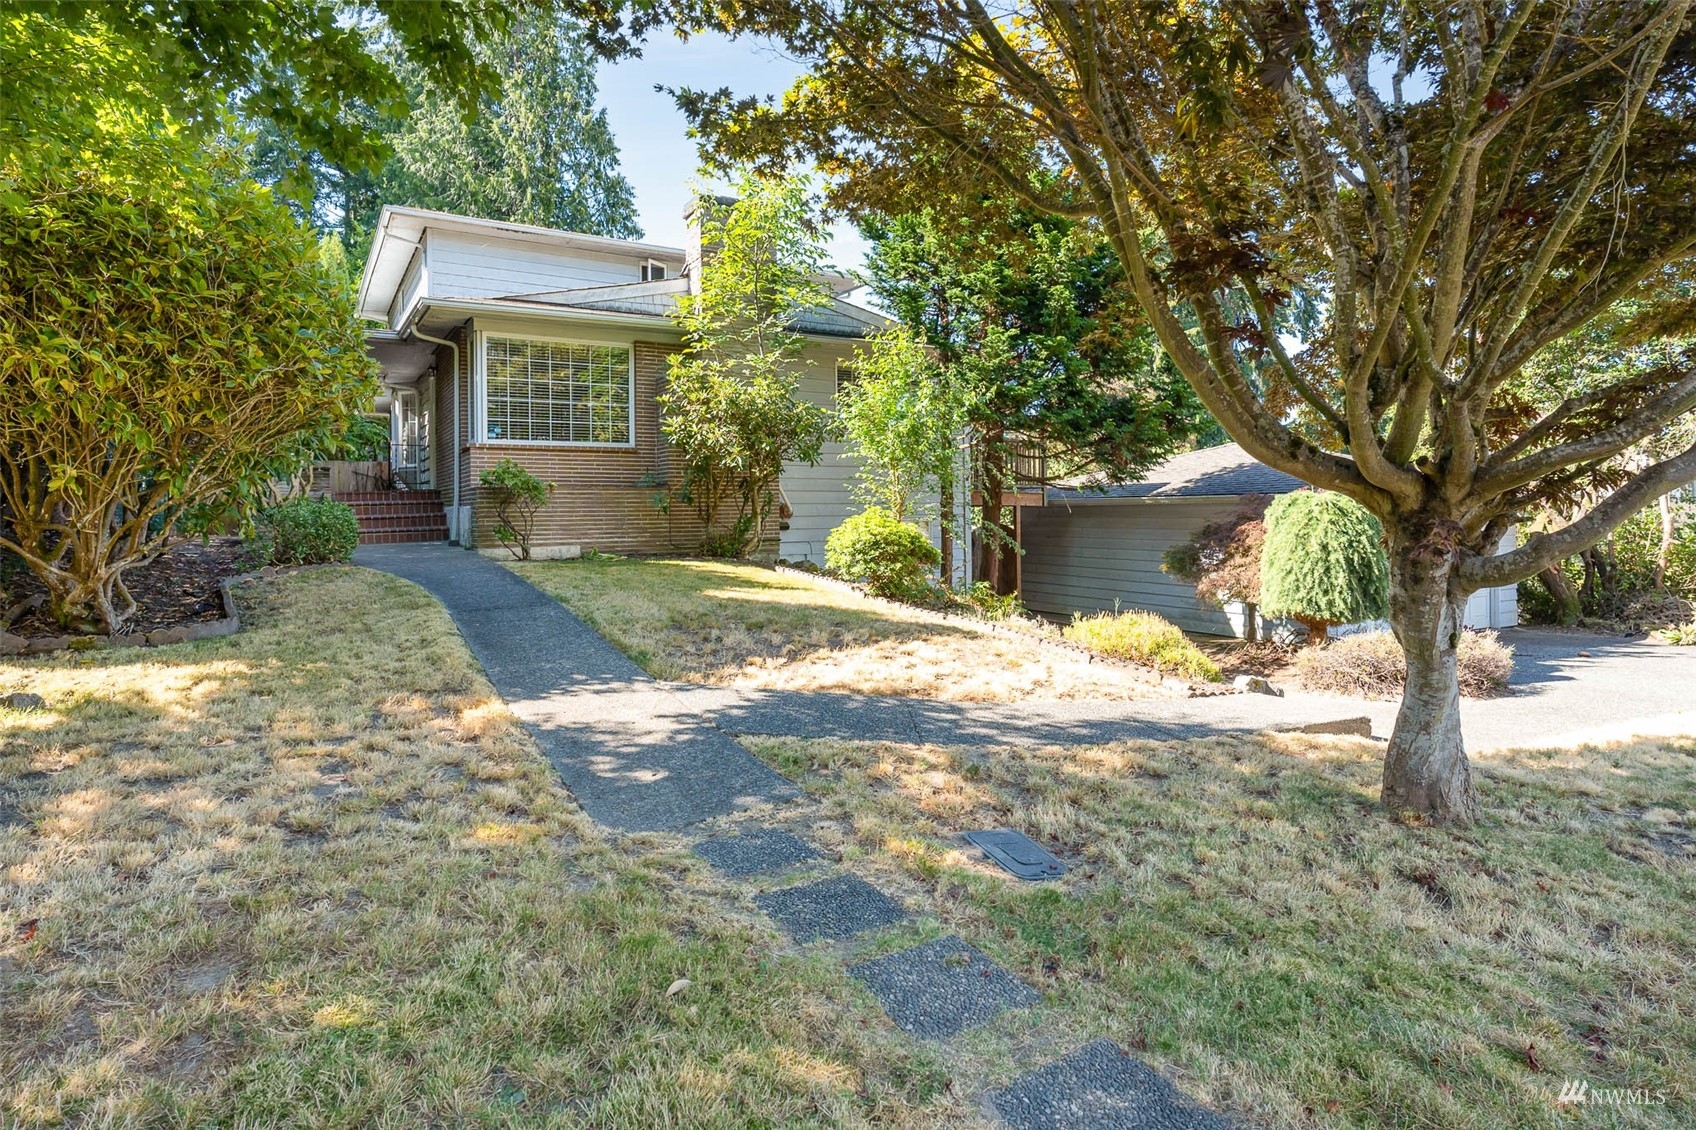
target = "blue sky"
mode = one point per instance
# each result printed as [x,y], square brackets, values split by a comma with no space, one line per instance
[658,158]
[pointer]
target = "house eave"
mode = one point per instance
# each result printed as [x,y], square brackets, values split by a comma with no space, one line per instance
[472,307]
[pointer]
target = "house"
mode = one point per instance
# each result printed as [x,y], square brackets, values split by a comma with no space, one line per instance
[1090,550]
[500,340]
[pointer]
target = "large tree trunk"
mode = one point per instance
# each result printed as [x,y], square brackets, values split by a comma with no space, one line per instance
[1425,768]
[1663,554]
[1568,605]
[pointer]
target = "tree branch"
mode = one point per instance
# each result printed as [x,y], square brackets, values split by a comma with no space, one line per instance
[1543,550]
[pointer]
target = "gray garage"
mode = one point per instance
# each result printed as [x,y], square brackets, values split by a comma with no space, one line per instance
[1094,550]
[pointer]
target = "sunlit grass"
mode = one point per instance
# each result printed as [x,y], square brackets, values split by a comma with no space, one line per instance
[1239,912]
[315,875]
[740,625]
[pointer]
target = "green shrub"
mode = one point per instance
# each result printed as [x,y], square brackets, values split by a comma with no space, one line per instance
[1680,635]
[1370,665]
[306,531]
[981,598]
[1143,637]
[518,495]
[890,556]
[1323,562]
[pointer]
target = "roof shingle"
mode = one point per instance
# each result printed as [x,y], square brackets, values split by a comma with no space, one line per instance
[1226,471]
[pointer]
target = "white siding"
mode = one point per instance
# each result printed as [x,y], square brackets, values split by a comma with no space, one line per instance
[1499,607]
[1088,557]
[821,496]
[411,285]
[477,266]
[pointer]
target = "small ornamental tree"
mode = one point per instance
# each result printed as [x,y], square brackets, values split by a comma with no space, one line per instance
[170,342]
[902,417]
[1222,559]
[1323,563]
[730,404]
[518,496]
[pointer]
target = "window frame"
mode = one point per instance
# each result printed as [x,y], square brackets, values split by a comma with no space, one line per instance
[483,438]
[853,370]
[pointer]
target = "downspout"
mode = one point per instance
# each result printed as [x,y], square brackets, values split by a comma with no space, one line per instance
[459,535]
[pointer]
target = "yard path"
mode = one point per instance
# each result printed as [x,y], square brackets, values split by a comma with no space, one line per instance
[645,755]
[633,753]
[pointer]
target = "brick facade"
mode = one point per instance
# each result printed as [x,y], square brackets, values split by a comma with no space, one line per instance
[605,496]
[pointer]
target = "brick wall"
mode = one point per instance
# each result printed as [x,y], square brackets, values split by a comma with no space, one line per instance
[605,496]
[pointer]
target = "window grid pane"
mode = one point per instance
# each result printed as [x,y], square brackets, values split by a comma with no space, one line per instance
[557,392]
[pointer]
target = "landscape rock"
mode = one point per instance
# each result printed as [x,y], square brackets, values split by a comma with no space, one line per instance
[12,645]
[18,700]
[47,643]
[1254,684]
[1360,727]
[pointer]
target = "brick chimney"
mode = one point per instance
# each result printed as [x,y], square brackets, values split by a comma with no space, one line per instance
[701,210]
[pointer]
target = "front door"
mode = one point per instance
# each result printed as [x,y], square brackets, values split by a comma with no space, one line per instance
[409,443]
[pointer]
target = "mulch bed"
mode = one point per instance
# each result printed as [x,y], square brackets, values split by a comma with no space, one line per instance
[179,587]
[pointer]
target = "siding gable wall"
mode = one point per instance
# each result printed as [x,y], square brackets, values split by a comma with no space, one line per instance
[463,265]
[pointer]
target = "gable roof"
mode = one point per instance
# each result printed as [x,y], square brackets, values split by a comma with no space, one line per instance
[1226,471]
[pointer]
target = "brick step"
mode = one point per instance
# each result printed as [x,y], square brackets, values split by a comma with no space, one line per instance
[399,537]
[406,522]
[355,497]
[385,510]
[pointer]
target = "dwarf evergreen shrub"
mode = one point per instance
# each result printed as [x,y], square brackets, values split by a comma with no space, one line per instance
[1323,562]
[306,531]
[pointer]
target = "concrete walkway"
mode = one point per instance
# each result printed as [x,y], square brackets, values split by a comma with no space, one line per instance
[634,755]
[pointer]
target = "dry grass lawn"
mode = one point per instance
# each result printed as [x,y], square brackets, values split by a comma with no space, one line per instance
[314,875]
[1240,913]
[739,625]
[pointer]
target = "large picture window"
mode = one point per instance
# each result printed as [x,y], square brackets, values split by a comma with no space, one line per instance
[556,392]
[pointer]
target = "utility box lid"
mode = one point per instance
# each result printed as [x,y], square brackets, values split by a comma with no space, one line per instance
[1018,853]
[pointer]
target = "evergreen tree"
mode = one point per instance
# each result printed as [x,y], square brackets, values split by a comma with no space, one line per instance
[537,151]
[1323,563]
[1027,320]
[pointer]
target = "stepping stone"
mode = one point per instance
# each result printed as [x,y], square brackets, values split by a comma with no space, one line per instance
[1100,1087]
[1018,853]
[763,849]
[838,907]
[941,988]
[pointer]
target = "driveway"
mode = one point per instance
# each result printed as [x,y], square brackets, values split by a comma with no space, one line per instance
[1568,688]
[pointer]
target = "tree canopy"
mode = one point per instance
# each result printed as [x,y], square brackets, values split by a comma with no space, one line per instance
[1036,343]
[534,150]
[1457,188]
[305,66]
[730,405]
